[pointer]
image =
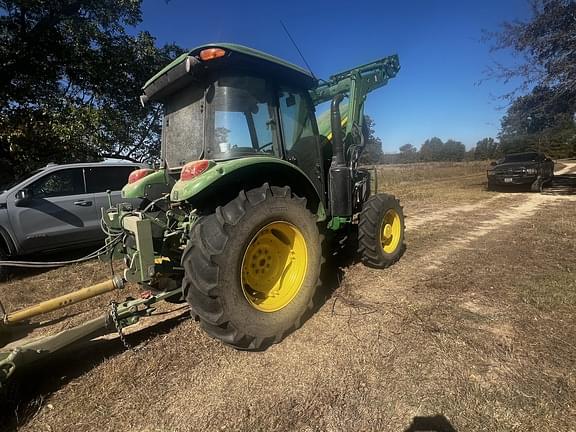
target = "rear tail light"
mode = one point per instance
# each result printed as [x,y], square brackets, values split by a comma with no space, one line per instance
[211,53]
[138,174]
[194,169]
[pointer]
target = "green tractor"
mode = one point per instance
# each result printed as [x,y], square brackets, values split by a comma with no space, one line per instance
[250,185]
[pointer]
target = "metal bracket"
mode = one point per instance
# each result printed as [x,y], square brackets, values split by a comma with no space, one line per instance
[142,265]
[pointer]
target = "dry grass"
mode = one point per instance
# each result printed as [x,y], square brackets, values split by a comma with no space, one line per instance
[430,184]
[473,329]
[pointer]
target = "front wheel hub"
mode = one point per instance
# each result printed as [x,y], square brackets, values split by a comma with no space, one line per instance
[390,231]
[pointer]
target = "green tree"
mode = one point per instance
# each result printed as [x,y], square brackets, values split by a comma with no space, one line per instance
[540,121]
[408,153]
[543,117]
[546,43]
[431,150]
[485,149]
[70,81]
[372,153]
[453,151]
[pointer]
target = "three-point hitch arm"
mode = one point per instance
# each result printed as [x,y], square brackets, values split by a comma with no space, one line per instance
[356,83]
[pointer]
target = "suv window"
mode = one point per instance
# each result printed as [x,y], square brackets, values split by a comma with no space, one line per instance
[101,179]
[59,183]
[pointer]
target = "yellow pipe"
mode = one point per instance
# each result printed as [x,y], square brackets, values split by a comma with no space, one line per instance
[65,300]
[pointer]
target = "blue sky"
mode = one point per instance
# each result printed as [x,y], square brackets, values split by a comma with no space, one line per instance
[439,43]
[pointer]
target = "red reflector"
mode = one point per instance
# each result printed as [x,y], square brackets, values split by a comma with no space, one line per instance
[138,174]
[194,169]
[211,53]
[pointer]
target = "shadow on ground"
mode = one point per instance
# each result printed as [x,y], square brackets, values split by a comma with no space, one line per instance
[437,423]
[561,185]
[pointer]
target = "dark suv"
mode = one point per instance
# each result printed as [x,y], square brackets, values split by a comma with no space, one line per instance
[58,207]
[530,168]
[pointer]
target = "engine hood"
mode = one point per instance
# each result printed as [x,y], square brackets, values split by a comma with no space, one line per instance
[514,165]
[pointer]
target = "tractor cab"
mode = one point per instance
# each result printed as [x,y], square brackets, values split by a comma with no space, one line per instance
[224,102]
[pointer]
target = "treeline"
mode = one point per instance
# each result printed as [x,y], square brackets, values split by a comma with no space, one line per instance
[556,143]
[432,150]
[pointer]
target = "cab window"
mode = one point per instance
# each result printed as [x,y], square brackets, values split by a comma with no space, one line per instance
[243,117]
[295,118]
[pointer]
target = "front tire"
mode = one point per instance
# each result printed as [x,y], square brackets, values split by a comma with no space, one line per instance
[252,268]
[381,231]
[536,186]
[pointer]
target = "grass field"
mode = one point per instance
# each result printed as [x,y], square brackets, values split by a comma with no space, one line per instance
[472,330]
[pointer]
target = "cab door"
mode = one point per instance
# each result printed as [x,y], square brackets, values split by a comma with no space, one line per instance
[57,212]
[301,143]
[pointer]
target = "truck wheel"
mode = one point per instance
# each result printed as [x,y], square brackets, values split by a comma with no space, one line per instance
[537,185]
[381,231]
[252,267]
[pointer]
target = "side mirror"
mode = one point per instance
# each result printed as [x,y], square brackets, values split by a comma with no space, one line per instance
[493,163]
[22,196]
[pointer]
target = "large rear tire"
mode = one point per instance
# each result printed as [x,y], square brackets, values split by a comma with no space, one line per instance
[252,268]
[381,231]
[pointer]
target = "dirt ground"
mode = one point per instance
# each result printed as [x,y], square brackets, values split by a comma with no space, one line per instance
[472,330]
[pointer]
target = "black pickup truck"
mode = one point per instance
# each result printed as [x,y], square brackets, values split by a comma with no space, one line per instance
[530,168]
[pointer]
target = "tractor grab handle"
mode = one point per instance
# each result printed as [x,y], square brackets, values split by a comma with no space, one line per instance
[64,300]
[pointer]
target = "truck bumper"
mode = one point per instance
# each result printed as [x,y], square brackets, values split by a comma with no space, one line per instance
[504,180]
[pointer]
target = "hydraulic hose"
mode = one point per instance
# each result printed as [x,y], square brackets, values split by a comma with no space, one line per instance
[49,264]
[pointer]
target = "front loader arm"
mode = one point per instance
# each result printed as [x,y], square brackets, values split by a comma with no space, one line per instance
[356,83]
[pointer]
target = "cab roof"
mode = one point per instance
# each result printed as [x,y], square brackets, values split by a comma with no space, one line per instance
[242,57]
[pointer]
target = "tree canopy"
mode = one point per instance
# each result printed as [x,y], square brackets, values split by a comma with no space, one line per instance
[372,153]
[434,149]
[486,148]
[542,118]
[70,81]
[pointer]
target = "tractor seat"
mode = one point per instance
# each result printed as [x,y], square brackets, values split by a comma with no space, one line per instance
[306,158]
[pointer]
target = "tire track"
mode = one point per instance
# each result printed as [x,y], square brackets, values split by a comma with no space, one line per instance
[501,219]
[422,220]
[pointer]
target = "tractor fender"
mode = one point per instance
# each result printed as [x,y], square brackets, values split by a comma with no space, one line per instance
[223,181]
[151,186]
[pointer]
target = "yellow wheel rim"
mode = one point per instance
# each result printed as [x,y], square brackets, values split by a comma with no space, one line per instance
[274,266]
[390,231]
